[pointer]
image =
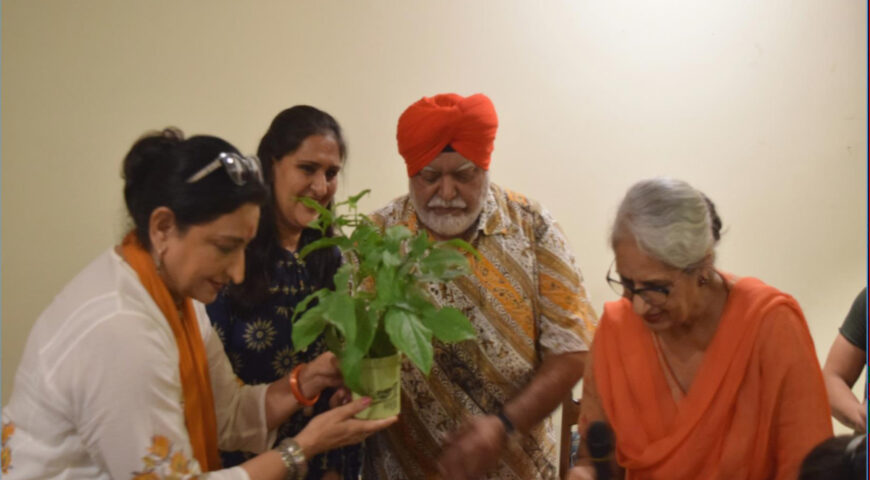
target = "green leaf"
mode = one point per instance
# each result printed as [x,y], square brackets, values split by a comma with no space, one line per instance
[341,279]
[303,305]
[353,200]
[397,233]
[381,345]
[308,327]
[334,342]
[324,242]
[449,325]
[459,244]
[411,337]
[443,264]
[419,244]
[367,324]
[391,259]
[387,289]
[315,205]
[352,353]
[339,311]
[349,363]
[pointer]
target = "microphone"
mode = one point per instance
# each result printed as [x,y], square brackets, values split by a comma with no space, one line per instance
[599,440]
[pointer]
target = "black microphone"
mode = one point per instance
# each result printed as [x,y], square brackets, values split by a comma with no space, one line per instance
[599,440]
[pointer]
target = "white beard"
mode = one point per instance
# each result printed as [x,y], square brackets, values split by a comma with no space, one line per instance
[449,226]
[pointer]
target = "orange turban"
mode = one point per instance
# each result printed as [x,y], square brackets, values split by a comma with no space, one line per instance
[467,124]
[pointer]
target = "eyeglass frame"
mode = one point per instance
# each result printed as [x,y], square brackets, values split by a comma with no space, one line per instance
[250,165]
[632,291]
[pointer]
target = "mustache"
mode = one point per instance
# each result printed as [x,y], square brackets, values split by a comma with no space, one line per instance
[438,202]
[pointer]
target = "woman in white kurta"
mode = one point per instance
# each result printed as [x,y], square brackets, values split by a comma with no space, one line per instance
[105,377]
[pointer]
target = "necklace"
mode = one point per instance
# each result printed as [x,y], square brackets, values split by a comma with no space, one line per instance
[670,370]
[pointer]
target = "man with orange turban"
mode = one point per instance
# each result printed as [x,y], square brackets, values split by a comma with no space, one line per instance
[481,411]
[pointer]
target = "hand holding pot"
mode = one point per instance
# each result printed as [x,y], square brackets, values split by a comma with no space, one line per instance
[474,449]
[337,428]
[320,374]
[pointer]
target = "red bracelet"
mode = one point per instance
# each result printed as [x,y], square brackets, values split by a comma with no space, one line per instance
[297,392]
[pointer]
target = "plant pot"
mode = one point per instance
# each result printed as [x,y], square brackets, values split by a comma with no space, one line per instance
[380,380]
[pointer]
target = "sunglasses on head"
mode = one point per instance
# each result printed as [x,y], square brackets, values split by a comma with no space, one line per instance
[240,169]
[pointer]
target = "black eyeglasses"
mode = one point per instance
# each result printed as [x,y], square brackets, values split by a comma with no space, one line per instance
[655,296]
[240,169]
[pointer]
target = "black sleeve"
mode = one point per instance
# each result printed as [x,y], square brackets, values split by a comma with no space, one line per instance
[854,328]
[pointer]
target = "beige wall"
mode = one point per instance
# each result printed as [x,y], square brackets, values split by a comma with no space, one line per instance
[760,104]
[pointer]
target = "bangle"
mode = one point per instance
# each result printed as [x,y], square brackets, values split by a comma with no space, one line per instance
[508,424]
[297,392]
[293,458]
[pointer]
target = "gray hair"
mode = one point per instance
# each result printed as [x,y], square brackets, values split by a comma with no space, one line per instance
[670,220]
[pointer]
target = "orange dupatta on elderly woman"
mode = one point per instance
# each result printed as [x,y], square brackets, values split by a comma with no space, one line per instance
[199,412]
[755,408]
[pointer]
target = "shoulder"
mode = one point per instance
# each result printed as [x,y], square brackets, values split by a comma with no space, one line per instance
[104,309]
[393,213]
[514,203]
[782,328]
[519,209]
[856,318]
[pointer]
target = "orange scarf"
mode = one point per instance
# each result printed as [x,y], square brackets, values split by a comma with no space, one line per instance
[754,408]
[199,414]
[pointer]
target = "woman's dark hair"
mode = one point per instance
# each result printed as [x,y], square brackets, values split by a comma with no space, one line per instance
[285,135]
[156,170]
[843,457]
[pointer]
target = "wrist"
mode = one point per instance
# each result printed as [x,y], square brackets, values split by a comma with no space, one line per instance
[506,422]
[293,457]
[297,385]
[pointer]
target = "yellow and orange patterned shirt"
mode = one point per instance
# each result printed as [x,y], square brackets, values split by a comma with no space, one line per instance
[525,297]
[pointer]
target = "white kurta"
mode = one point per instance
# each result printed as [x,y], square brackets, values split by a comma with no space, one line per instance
[98,392]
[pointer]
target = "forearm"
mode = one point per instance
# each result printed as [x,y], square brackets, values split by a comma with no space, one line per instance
[280,403]
[551,384]
[266,466]
[843,402]
[842,368]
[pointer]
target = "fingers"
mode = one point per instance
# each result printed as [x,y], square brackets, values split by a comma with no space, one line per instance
[371,426]
[340,397]
[350,409]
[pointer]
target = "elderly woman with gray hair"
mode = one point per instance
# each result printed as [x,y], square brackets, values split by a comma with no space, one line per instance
[694,373]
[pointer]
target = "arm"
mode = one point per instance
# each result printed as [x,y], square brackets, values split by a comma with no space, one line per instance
[842,368]
[478,444]
[553,382]
[242,409]
[565,322]
[332,429]
[130,419]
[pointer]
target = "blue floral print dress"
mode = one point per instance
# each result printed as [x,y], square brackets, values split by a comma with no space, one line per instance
[260,348]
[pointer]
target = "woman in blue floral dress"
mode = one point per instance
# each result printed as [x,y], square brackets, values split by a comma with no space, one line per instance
[302,154]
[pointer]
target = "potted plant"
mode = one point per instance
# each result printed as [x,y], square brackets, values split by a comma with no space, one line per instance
[379,309]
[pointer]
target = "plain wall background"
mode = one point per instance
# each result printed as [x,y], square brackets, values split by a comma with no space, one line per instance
[762,105]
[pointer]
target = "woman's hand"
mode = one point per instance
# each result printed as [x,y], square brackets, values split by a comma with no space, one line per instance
[581,473]
[337,428]
[323,372]
[341,397]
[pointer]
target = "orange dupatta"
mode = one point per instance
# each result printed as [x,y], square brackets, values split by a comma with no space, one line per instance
[199,413]
[730,423]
